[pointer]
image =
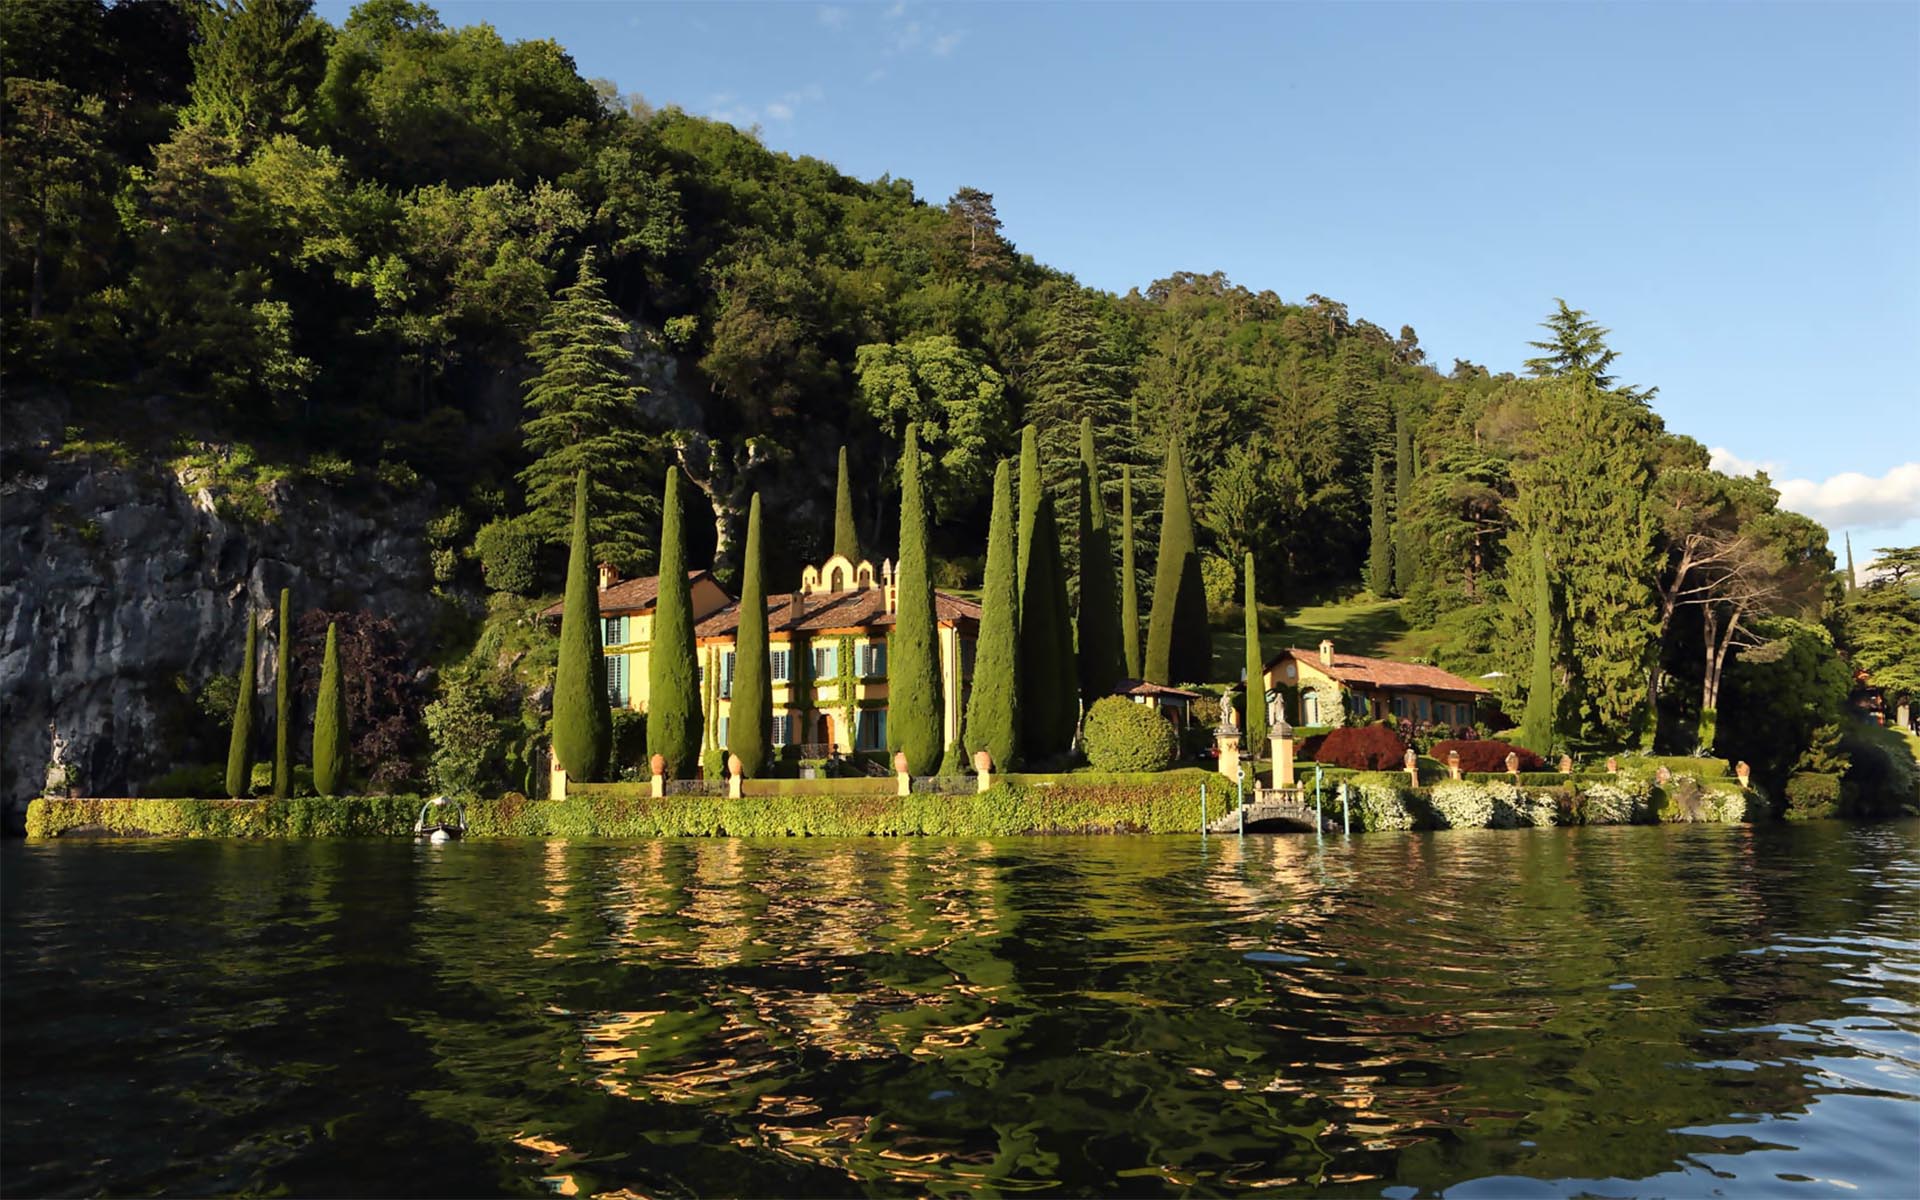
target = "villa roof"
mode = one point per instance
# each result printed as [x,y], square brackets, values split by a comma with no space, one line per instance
[831,610]
[1381,672]
[628,595]
[1140,687]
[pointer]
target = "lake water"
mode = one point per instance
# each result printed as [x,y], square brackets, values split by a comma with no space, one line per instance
[1610,1011]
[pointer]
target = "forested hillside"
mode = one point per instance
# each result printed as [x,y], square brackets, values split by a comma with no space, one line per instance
[399,255]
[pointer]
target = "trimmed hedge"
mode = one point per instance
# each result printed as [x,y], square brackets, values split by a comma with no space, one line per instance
[1363,748]
[1812,796]
[1124,736]
[306,816]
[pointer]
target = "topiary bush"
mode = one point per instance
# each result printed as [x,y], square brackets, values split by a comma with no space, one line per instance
[1486,754]
[1124,736]
[1362,747]
[509,556]
[1812,796]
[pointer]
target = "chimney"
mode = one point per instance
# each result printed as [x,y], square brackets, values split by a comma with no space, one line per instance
[891,591]
[796,611]
[1326,652]
[609,575]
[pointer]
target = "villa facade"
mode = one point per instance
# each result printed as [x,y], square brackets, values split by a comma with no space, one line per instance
[1306,685]
[827,645]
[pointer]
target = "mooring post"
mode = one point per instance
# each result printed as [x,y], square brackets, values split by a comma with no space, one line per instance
[1203,810]
[1346,820]
[1240,799]
[1319,821]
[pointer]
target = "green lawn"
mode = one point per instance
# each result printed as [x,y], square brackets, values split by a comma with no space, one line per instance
[1366,626]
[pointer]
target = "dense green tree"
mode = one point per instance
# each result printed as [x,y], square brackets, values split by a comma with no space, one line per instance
[1576,348]
[1256,681]
[1404,558]
[846,539]
[256,66]
[1536,726]
[1129,583]
[1777,694]
[330,733]
[1074,376]
[915,706]
[1100,655]
[582,726]
[675,720]
[956,402]
[1049,697]
[283,700]
[993,710]
[1379,536]
[1179,642]
[750,730]
[240,746]
[584,419]
[1880,631]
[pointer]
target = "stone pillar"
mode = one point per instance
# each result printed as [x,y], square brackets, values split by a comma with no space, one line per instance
[983,766]
[1411,763]
[1513,766]
[735,769]
[1453,764]
[1228,739]
[658,764]
[556,777]
[1281,741]
[904,780]
[1904,714]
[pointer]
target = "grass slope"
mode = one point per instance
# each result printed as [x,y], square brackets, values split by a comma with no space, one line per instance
[1365,626]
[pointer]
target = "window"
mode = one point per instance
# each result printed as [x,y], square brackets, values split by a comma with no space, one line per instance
[872,728]
[873,659]
[779,658]
[1426,712]
[613,631]
[1310,708]
[782,729]
[617,680]
[724,723]
[826,661]
[726,676]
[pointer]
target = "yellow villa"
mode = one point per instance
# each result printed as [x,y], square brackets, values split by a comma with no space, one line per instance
[827,643]
[1307,686]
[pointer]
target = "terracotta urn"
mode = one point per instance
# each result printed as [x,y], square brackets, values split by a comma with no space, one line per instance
[900,762]
[1513,763]
[659,764]
[982,761]
[1613,764]
[1744,772]
[1566,764]
[1663,776]
[735,767]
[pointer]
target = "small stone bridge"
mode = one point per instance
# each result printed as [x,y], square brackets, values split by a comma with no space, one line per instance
[1270,810]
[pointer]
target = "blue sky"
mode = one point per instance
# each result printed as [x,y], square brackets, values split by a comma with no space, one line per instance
[1733,189]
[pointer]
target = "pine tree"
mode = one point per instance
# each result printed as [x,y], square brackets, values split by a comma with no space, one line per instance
[1379,541]
[674,718]
[846,539]
[330,721]
[240,747]
[1049,704]
[1129,584]
[1179,643]
[915,719]
[1536,725]
[1403,556]
[283,701]
[1256,671]
[582,724]
[749,731]
[1101,664]
[585,417]
[993,712]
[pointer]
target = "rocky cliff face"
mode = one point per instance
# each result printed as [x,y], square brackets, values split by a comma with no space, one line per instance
[120,582]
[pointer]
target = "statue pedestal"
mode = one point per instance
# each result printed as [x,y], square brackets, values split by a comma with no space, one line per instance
[1281,741]
[1228,740]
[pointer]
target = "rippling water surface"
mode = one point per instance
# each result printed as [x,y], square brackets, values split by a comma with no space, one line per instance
[1640,1011]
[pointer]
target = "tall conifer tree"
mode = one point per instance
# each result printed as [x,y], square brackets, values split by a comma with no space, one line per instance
[1536,725]
[283,700]
[1129,582]
[749,732]
[330,721]
[846,538]
[1049,702]
[1179,644]
[1379,537]
[674,718]
[915,708]
[582,722]
[1101,662]
[240,746]
[1256,671]
[1850,575]
[1403,556]
[1033,485]
[993,712]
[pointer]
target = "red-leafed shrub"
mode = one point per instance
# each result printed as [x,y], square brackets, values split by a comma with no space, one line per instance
[1488,754]
[1364,748]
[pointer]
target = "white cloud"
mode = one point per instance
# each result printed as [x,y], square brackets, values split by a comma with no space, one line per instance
[721,107]
[1727,462]
[944,44]
[778,111]
[898,9]
[1851,500]
[832,16]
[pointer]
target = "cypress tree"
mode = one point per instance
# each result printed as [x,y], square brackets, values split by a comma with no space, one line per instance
[1256,671]
[1129,584]
[674,719]
[582,724]
[1033,485]
[1179,644]
[1379,539]
[914,702]
[239,748]
[1536,725]
[993,712]
[748,734]
[330,721]
[1402,499]
[846,539]
[1101,664]
[1049,707]
[1849,583]
[283,700]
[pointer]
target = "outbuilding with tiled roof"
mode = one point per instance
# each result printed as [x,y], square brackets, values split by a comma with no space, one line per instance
[1306,684]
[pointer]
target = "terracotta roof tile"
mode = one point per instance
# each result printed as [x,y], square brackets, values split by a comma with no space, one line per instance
[1140,687]
[831,610]
[1382,672]
[626,596]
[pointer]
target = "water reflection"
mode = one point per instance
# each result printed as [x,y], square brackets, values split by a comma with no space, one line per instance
[1609,1010]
